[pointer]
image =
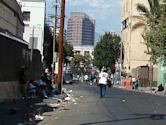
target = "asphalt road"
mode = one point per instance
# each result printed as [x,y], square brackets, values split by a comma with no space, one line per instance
[119,107]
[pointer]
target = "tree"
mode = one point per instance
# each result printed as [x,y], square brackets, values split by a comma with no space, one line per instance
[77,59]
[155,39]
[67,52]
[153,20]
[107,51]
[48,48]
[87,60]
[149,18]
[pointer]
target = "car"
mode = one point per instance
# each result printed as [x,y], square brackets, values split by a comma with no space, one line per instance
[67,78]
[76,78]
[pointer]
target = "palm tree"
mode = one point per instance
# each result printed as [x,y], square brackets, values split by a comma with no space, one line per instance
[150,16]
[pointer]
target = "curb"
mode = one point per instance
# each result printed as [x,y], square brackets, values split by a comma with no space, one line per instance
[140,91]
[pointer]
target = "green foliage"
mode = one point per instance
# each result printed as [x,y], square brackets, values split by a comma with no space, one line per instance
[87,60]
[80,59]
[77,59]
[107,51]
[155,22]
[48,48]
[67,52]
[156,37]
[149,15]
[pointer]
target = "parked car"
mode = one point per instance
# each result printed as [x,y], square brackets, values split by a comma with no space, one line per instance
[67,78]
[76,77]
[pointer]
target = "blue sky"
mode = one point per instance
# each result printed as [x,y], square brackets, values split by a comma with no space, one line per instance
[107,13]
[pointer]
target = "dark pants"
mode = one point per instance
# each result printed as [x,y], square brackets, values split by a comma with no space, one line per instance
[102,90]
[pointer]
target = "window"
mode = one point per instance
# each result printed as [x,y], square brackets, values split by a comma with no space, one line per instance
[26,16]
[125,24]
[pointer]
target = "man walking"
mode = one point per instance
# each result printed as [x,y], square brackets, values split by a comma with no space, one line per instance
[103,76]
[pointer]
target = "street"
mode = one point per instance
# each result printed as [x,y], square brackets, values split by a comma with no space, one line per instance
[119,107]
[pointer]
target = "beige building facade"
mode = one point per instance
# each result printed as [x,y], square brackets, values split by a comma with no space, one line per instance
[11,18]
[133,42]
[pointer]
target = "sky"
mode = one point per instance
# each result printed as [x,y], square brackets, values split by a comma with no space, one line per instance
[107,13]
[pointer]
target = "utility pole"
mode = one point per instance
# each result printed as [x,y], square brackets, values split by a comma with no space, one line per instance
[60,49]
[151,76]
[121,54]
[54,42]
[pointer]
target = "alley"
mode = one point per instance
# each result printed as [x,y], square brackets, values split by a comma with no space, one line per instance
[119,107]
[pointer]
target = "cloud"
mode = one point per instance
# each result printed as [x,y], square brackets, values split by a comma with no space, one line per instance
[105,12]
[102,4]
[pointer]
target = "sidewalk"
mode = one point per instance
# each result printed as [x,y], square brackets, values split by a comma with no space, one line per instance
[28,111]
[143,89]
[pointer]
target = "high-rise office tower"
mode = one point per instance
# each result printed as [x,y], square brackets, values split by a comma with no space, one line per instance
[80,29]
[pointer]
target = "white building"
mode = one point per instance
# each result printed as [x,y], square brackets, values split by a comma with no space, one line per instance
[84,50]
[34,17]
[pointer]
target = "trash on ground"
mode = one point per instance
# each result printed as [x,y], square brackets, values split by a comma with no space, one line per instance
[67,99]
[70,91]
[123,100]
[73,100]
[55,105]
[39,117]
[64,90]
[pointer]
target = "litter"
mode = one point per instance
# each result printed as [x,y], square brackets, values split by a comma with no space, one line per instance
[74,100]
[55,105]
[70,91]
[39,117]
[123,100]
[67,98]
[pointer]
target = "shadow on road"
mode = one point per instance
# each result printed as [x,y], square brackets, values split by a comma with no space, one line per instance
[19,111]
[141,116]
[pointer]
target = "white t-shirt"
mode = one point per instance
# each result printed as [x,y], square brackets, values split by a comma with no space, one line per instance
[103,78]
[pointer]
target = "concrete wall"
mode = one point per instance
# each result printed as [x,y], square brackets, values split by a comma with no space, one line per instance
[14,53]
[9,90]
[11,18]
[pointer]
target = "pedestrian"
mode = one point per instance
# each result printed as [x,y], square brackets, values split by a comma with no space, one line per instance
[93,79]
[103,76]
[31,87]
[23,81]
[160,88]
[109,81]
[42,85]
